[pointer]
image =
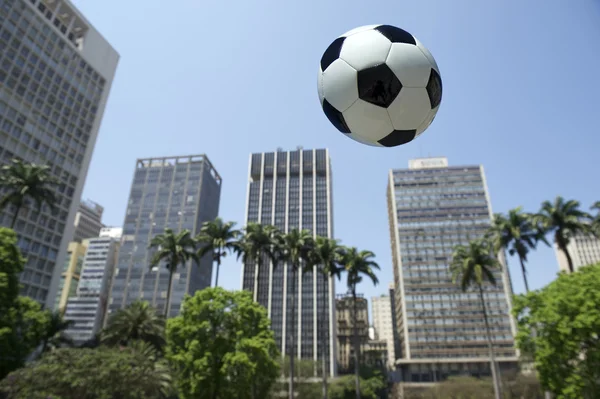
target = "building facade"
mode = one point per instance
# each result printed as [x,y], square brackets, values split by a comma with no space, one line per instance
[344,312]
[56,72]
[292,190]
[381,308]
[432,208]
[584,251]
[71,272]
[175,192]
[88,221]
[87,309]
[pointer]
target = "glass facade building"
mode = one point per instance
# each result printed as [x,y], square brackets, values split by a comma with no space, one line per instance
[432,208]
[56,71]
[292,190]
[176,192]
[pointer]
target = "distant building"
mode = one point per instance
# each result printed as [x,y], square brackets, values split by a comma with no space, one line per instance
[584,250]
[88,308]
[181,193]
[345,329]
[381,308]
[70,275]
[88,221]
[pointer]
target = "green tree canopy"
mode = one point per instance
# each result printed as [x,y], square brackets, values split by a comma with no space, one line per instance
[566,345]
[221,346]
[103,373]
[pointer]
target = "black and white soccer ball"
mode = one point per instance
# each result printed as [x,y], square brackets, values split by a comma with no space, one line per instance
[379,85]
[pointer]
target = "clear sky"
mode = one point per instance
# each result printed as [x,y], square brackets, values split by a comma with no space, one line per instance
[228,78]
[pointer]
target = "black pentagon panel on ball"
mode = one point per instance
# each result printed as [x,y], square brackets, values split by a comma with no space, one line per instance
[434,89]
[332,53]
[396,35]
[398,137]
[335,117]
[378,85]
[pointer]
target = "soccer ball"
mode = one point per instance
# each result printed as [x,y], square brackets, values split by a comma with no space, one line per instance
[379,85]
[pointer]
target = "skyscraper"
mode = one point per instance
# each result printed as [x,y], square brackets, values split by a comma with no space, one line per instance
[383,321]
[432,208]
[56,71]
[88,220]
[292,190]
[176,192]
[584,250]
[87,309]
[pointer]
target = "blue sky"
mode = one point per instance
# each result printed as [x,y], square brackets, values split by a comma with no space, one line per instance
[230,78]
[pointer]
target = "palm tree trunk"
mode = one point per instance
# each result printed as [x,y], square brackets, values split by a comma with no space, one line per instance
[256,276]
[217,276]
[168,301]
[569,260]
[356,345]
[524,274]
[560,242]
[495,371]
[15,216]
[324,344]
[292,346]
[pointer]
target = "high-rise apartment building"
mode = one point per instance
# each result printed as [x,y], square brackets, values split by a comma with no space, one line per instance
[88,220]
[344,311]
[381,308]
[292,190]
[180,193]
[584,250]
[87,309]
[432,208]
[56,71]
[70,274]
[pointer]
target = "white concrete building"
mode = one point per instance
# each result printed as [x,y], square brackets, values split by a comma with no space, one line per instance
[583,249]
[381,308]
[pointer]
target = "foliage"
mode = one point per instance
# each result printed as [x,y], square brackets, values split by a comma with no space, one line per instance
[138,321]
[516,233]
[218,238]
[221,346]
[344,388]
[595,226]
[22,321]
[566,344]
[174,250]
[54,336]
[103,373]
[26,181]
[564,219]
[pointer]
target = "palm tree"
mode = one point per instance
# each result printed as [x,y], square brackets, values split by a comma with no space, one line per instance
[219,238]
[564,219]
[54,335]
[296,246]
[474,265]
[358,264]
[138,321]
[258,241]
[174,250]
[595,227]
[517,234]
[326,255]
[24,181]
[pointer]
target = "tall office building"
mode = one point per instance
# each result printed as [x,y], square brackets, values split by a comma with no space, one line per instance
[87,309]
[88,220]
[432,208]
[583,249]
[175,192]
[292,190]
[69,277]
[381,307]
[56,71]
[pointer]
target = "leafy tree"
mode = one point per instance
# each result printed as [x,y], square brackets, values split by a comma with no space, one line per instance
[345,388]
[474,265]
[217,238]
[565,316]
[221,346]
[138,321]
[326,255]
[358,264]
[296,246]
[26,181]
[22,321]
[517,234]
[257,242]
[564,219]
[103,373]
[54,334]
[174,250]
